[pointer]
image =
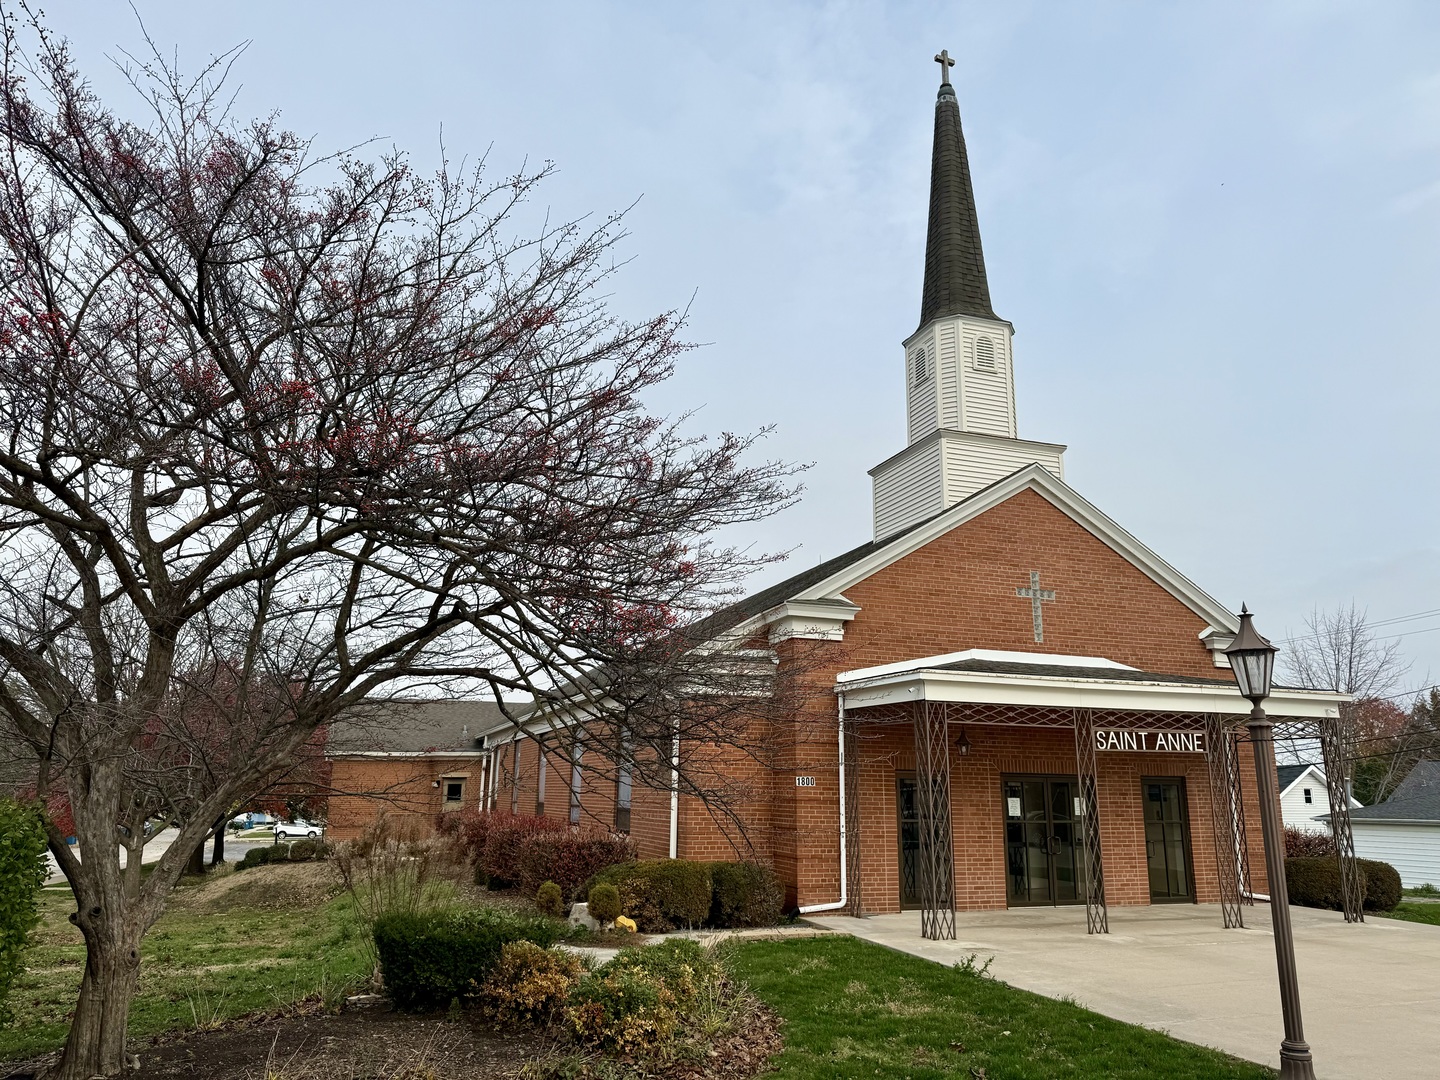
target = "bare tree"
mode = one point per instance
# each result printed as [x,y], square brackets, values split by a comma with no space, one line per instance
[1339,652]
[281,433]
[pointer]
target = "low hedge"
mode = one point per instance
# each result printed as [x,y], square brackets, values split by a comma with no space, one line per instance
[1315,882]
[299,851]
[746,894]
[428,961]
[669,894]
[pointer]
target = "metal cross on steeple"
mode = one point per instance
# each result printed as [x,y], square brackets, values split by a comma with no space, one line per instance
[1035,595]
[946,63]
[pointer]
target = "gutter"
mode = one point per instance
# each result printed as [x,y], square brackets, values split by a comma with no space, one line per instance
[675,798]
[811,909]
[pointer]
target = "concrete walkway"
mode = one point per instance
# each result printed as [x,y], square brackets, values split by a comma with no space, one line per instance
[1370,993]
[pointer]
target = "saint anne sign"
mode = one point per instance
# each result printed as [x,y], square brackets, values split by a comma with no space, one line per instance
[1150,742]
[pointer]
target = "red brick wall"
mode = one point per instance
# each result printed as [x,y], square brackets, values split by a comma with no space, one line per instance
[401,789]
[956,593]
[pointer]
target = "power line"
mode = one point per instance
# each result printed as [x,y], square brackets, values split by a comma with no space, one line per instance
[1372,625]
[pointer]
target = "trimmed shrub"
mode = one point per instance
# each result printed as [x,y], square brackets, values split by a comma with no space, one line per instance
[22,873]
[550,900]
[1314,882]
[306,850]
[603,903]
[430,960]
[259,856]
[1303,844]
[661,894]
[635,1002]
[745,894]
[529,985]
[1382,885]
[568,858]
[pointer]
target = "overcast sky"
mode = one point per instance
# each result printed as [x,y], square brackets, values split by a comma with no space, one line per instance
[1216,228]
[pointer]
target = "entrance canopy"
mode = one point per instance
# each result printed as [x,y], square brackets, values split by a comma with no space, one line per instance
[1098,699]
[1047,681]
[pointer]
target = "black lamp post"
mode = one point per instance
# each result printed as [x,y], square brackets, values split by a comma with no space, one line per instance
[1252,658]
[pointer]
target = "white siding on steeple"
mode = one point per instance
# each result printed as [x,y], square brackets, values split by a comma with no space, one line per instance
[973,461]
[909,490]
[946,337]
[921,395]
[988,398]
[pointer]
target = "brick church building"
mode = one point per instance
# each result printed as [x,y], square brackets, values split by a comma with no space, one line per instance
[1016,702]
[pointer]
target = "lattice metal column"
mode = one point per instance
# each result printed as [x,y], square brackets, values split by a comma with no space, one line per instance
[1237,815]
[937,854]
[1335,751]
[1092,873]
[856,907]
[1222,821]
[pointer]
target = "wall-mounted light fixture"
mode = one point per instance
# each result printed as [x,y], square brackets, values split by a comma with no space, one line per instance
[962,743]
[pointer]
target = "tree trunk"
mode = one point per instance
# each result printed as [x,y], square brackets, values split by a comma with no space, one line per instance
[217,853]
[196,865]
[96,1045]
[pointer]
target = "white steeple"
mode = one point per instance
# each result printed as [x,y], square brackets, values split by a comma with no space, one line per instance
[959,377]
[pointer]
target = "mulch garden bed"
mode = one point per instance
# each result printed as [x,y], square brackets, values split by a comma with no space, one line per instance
[375,1043]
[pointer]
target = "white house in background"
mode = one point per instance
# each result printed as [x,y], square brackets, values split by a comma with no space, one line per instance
[1303,799]
[1404,830]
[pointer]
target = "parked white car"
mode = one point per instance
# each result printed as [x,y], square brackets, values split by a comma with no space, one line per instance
[292,830]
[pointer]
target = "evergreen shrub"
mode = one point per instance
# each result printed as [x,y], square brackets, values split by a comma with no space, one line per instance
[256,856]
[635,1002]
[429,960]
[1382,885]
[661,894]
[550,900]
[603,903]
[22,873]
[745,894]
[1315,882]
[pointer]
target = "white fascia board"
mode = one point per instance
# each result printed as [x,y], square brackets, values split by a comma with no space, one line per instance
[477,752]
[1068,501]
[950,434]
[1006,323]
[999,655]
[1043,691]
[816,620]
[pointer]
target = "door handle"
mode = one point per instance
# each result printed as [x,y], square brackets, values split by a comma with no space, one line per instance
[1052,846]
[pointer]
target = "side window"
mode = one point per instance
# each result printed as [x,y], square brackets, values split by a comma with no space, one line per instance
[454,789]
[1308,798]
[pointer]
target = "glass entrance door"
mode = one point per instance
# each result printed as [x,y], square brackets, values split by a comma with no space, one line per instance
[1042,840]
[908,810]
[1167,840]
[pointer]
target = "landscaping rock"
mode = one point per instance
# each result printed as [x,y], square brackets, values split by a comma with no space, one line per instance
[580,916]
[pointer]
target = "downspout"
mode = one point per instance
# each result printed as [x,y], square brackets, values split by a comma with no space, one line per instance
[675,798]
[811,909]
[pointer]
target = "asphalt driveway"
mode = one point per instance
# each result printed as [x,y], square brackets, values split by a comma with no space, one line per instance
[1370,993]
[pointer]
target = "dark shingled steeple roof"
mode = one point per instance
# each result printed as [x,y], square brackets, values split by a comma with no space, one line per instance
[955,281]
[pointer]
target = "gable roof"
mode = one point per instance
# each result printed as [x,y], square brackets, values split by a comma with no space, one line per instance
[1416,799]
[1288,774]
[418,727]
[830,579]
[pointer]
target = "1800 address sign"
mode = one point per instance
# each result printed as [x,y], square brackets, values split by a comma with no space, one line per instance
[1149,742]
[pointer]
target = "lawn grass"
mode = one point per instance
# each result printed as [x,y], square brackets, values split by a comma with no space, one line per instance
[853,1009]
[1421,913]
[204,962]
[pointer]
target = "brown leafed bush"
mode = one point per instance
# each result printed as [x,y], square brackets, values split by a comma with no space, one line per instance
[529,984]
[569,858]
[1302,844]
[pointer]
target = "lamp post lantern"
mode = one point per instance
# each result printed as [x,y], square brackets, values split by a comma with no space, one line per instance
[1252,658]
